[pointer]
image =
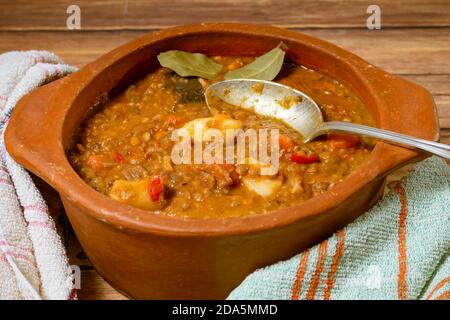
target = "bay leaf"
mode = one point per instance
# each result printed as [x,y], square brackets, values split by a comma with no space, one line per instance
[189,64]
[265,67]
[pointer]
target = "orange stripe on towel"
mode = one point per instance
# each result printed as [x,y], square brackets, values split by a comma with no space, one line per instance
[441,283]
[296,289]
[444,296]
[402,286]
[340,247]
[319,267]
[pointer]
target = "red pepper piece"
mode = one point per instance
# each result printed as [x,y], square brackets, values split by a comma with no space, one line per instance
[155,188]
[118,157]
[302,159]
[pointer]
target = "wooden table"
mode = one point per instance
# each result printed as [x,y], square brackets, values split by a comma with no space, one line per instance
[414,42]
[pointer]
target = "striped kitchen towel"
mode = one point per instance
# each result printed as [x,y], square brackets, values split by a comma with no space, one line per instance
[33,263]
[397,250]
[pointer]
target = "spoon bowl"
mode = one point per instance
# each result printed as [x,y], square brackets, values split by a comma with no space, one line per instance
[302,113]
[270,99]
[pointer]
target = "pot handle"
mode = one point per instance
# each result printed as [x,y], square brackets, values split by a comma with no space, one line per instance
[408,105]
[33,135]
[410,109]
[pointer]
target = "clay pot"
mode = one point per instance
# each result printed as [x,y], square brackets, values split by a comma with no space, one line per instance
[149,255]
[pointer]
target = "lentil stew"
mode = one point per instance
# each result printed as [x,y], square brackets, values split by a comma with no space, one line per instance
[124,149]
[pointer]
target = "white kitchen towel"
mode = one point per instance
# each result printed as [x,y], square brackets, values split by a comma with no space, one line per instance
[33,263]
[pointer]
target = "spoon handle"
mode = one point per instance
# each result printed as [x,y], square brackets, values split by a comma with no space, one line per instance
[403,140]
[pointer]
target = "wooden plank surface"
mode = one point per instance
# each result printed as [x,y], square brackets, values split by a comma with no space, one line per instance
[95,288]
[400,51]
[414,42]
[150,14]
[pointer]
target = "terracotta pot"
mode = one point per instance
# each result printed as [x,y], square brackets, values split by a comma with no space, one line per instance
[148,255]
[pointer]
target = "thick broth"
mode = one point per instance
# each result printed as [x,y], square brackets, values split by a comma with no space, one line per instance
[128,140]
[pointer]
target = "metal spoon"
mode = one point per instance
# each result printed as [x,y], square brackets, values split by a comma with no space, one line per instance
[299,111]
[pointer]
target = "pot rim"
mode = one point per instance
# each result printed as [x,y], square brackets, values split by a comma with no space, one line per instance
[383,159]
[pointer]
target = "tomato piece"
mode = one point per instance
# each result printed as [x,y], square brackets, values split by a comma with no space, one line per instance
[95,162]
[343,141]
[118,157]
[302,159]
[286,143]
[155,188]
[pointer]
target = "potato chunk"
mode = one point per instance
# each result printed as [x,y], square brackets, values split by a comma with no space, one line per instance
[220,122]
[135,193]
[262,186]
